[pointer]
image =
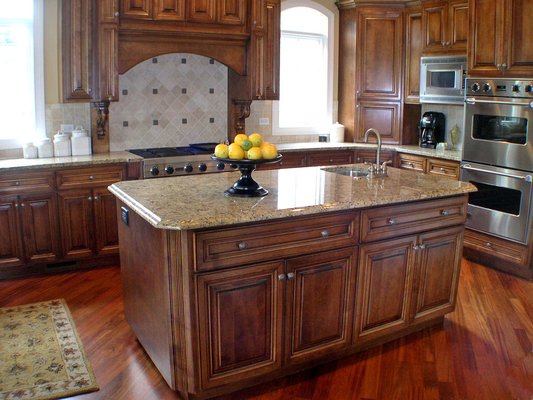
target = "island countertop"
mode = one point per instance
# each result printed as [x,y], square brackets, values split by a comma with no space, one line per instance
[198,201]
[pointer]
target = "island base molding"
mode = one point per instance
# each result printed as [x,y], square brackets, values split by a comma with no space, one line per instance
[220,309]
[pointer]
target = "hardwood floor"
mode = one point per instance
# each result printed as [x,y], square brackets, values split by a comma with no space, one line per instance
[484,350]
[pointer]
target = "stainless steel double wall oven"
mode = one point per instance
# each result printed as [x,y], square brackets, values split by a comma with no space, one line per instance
[498,156]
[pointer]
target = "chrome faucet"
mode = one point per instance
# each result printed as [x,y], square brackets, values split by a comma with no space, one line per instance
[377,168]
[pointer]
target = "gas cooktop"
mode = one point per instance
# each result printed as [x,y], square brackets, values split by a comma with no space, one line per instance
[191,150]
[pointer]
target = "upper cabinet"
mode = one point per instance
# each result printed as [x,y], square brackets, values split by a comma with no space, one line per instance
[445,26]
[500,38]
[413,51]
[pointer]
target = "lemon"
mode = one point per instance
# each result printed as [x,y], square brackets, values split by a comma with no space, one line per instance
[254,154]
[246,144]
[235,152]
[221,150]
[269,151]
[256,139]
[239,138]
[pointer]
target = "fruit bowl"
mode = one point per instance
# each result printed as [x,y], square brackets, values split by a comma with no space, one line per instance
[245,185]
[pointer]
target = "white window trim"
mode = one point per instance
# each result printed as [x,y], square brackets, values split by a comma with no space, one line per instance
[276,129]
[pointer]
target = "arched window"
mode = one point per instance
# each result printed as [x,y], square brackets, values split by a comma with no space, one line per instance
[306,69]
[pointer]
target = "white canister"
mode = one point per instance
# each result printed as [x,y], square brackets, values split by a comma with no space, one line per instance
[81,142]
[29,150]
[62,145]
[336,134]
[45,148]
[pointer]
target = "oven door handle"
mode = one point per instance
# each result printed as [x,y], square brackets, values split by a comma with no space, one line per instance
[473,100]
[527,178]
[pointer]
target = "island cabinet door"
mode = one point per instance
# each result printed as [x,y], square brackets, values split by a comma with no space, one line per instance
[384,288]
[11,253]
[439,254]
[240,322]
[105,219]
[319,305]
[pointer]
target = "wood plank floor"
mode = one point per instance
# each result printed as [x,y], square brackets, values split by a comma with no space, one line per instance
[484,350]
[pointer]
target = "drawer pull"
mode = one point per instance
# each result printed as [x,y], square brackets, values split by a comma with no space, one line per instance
[290,275]
[282,277]
[95,197]
[489,245]
[90,198]
[330,160]
[91,178]
[442,169]
[16,205]
[422,247]
[391,221]
[17,183]
[242,245]
[416,247]
[324,233]
[444,213]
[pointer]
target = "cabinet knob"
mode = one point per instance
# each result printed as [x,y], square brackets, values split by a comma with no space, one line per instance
[90,198]
[282,277]
[330,160]
[116,14]
[442,169]
[242,245]
[422,247]
[489,245]
[16,205]
[95,198]
[324,233]
[17,183]
[22,205]
[504,66]
[444,213]
[91,178]
[290,275]
[391,221]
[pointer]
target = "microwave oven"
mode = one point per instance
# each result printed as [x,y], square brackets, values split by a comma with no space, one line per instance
[442,79]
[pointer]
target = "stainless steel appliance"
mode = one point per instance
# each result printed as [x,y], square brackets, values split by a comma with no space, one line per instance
[442,79]
[432,129]
[175,161]
[498,156]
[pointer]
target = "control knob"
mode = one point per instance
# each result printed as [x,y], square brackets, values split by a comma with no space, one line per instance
[516,88]
[202,167]
[475,87]
[486,88]
[187,168]
[169,169]
[221,166]
[529,89]
[154,170]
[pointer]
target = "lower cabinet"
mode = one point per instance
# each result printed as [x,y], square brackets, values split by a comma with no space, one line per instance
[428,165]
[241,314]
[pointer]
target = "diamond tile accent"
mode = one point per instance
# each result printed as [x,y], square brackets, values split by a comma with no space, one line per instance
[183,95]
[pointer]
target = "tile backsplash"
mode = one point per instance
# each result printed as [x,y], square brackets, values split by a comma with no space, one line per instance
[454,116]
[67,113]
[171,100]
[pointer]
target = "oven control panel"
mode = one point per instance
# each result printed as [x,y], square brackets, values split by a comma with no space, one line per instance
[499,87]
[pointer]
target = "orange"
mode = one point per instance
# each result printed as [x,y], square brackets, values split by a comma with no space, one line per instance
[221,150]
[254,154]
[235,152]
[269,151]
[256,139]
[239,138]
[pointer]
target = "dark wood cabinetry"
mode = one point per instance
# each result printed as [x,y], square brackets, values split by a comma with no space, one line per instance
[445,26]
[499,38]
[428,165]
[413,51]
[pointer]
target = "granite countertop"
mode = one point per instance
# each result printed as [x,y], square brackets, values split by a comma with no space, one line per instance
[198,201]
[54,162]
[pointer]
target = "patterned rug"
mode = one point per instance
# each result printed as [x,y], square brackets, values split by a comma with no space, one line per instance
[41,355]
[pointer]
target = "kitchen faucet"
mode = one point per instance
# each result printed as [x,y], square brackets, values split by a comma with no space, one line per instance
[377,169]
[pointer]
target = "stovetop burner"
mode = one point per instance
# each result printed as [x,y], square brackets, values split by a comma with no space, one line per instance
[191,150]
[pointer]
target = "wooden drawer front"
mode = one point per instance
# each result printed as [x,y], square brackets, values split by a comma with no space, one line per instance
[412,162]
[330,158]
[369,156]
[88,177]
[289,160]
[443,168]
[496,247]
[266,241]
[389,222]
[32,181]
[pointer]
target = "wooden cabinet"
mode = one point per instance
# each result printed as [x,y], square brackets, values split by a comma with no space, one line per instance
[500,38]
[429,165]
[336,157]
[369,156]
[371,72]
[413,51]
[165,10]
[445,26]
[11,252]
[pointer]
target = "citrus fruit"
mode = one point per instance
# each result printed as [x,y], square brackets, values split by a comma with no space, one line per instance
[254,154]
[235,152]
[269,151]
[246,144]
[239,138]
[256,139]
[221,150]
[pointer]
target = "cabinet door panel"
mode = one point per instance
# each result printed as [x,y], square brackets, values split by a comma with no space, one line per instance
[40,227]
[383,116]
[486,32]
[458,34]
[108,61]
[169,10]
[412,56]
[10,237]
[202,11]
[231,12]
[76,223]
[139,9]
[319,305]
[440,261]
[240,323]
[384,286]
[105,218]
[273,16]
[519,36]
[435,19]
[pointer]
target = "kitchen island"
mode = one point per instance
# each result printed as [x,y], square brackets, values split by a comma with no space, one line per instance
[226,292]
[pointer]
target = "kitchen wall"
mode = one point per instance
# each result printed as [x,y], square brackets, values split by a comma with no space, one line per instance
[454,116]
[170,100]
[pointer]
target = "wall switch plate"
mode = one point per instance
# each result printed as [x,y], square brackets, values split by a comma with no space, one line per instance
[125,215]
[264,121]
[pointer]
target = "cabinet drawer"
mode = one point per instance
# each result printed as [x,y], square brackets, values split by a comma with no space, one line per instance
[330,158]
[273,240]
[27,181]
[394,221]
[289,160]
[443,168]
[414,163]
[495,247]
[89,177]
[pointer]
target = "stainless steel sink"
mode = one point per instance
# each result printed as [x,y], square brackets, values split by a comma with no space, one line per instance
[354,172]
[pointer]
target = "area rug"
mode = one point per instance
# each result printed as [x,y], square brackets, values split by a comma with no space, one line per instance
[41,355]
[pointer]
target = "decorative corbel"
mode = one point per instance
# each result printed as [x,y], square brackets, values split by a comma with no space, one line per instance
[100,126]
[241,111]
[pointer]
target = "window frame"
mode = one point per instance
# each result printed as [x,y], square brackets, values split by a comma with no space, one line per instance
[317,130]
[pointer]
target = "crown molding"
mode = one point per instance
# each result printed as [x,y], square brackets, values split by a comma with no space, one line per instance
[347,4]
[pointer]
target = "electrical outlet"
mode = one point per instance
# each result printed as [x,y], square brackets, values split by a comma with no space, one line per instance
[264,121]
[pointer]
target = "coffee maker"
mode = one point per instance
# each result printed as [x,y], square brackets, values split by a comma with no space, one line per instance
[432,130]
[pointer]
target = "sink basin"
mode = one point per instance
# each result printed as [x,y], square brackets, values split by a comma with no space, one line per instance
[354,172]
